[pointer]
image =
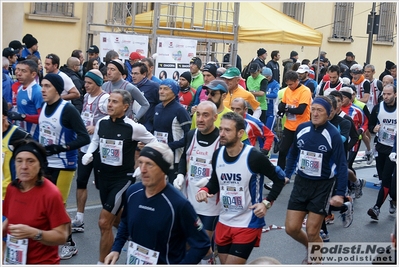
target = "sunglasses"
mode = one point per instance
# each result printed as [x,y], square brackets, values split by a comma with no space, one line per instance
[49,56]
[213,93]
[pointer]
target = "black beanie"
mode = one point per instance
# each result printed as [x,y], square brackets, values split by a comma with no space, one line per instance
[186,75]
[389,64]
[29,40]
[261,51]
[119,65]
[56,81]
[196,61]
[15,45]
[211,68]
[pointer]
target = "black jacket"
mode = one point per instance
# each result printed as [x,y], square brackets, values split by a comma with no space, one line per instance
[79,84]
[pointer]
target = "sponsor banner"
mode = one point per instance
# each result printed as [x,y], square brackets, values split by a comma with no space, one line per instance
[173,57]
[351,252]
[124,44]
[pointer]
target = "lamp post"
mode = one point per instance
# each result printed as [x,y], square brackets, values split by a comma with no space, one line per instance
[371,31]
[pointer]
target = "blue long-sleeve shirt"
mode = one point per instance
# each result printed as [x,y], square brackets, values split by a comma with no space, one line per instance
[164,222]
[174,120]
[271,97]
[7,83]
[321,154]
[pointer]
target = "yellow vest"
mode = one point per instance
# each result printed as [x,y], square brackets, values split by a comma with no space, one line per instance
[6,158]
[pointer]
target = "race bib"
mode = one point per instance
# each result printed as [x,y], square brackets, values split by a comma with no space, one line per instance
[111,151]
[47,136]
[199,168]
[290,116]
[16,251]
[87,118]
[232,198]
[161,137]
[387,135]
[310,163]
[140,255]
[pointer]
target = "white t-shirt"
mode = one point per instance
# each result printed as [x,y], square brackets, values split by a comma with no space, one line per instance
[68,83]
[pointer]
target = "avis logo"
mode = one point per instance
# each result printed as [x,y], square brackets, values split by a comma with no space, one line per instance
[389,121]
[231,177]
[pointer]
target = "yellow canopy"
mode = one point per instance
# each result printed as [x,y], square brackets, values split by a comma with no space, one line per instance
[257,23]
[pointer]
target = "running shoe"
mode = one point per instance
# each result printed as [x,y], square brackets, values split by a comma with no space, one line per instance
[324,236]
[329,219]
[77,226]
[392,206]
[210,261]
[374,212]
[67,251]
[378,183]
[359,188]
[347,216]
[369,157]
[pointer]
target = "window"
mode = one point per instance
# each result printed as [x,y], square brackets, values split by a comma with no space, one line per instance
[120,11]
[53,9]
[343,18]
[387,22]
[294,10]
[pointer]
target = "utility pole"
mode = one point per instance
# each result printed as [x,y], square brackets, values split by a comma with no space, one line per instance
[371,33]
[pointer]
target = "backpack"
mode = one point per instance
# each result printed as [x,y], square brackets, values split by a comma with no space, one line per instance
[245,72]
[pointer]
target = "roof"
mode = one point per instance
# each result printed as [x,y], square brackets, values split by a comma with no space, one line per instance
[258,22]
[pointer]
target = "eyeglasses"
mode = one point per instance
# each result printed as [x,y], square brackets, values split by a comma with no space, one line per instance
[212,93]
[135,73]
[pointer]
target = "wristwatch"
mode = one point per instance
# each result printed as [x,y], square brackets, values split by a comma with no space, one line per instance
[23,116]
[38,237]
[267,203]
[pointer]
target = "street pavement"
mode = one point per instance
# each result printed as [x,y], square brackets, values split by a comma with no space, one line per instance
[275,242]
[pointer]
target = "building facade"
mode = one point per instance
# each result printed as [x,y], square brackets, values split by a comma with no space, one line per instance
[62,27]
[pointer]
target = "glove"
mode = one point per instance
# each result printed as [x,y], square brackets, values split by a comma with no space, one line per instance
[392,156]
[202,182]
[360,131]
[137,174]
[54,149]
[178,182]
[15,116]
[280,113]
[265,151]
[280,172]
[87,158]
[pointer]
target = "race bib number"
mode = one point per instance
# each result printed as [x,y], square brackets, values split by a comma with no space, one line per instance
[199,172]
[87,118]
[140,255]
[161,137]
[232,198]
[16,251]
[310,163]
[111,151]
